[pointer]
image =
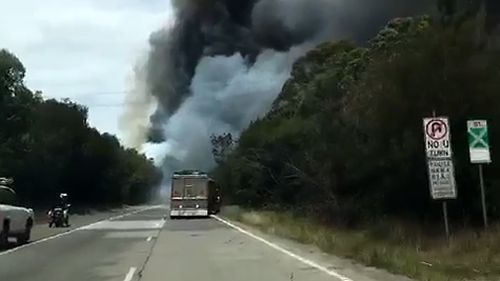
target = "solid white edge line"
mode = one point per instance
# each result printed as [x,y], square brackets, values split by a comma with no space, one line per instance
[286,252]
[130,274]
[74,230]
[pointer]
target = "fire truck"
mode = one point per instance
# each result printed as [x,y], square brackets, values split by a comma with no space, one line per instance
[194,194]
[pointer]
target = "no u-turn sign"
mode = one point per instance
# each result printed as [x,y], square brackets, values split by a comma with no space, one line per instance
[439,158]
[437,138]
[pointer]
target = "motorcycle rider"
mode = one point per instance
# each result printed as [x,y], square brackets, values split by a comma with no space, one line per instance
[64,205]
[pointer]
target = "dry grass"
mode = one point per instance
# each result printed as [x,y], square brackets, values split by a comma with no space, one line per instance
[397,248]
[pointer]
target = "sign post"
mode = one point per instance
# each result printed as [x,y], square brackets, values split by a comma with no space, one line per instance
[440,164]
[479,151]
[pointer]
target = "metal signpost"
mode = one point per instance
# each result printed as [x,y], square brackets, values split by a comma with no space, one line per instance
[479,151]
[440,164]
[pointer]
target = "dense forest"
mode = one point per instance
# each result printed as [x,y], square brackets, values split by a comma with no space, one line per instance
[344,139]
[47,147]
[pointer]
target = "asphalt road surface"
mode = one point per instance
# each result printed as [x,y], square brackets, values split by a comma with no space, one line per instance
[210,250]
[41,229]
[143,245]
[106,250]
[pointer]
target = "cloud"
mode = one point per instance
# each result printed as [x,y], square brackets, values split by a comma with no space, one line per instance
[82,49]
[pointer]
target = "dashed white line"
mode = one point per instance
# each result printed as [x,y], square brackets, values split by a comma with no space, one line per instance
[286,252]
[149,238]
[74,230]
[130,274]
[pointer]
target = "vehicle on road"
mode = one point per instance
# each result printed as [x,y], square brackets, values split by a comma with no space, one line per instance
[193,194]
[59,214]
[15,220]
[56,217]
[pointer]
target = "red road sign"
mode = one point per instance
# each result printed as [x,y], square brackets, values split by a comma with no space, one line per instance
[437,137]
[436,129]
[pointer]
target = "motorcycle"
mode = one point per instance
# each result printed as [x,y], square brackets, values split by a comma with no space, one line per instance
[59,217]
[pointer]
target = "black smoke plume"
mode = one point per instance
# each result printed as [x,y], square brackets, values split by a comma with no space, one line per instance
[223,62]
[225,27]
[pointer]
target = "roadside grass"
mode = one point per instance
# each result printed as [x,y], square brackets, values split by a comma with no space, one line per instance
[398,248]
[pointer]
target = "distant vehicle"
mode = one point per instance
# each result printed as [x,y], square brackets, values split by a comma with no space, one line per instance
[56,217]
[15,221]
[194,194]
[59,213]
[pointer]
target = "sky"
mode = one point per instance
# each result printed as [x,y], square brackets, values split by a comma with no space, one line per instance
[84,50]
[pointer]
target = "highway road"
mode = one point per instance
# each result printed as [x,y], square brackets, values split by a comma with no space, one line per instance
[142,245]
[106,250]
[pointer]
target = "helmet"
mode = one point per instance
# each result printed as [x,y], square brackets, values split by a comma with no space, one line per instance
[6,181]
[63,195]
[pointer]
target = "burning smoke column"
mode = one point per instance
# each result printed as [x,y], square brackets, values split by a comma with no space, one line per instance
[202,28]
[223,63]
[140,104]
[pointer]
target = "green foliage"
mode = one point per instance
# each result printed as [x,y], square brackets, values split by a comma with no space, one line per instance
[399,247]
[222,146]
[344,138]
[48,147]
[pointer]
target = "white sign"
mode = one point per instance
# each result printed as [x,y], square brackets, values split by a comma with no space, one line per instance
[442,179]
[479,146]
[437,138]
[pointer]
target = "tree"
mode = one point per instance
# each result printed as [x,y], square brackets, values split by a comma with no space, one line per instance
[16,103]
[222,145]
[48,147]
[344,137]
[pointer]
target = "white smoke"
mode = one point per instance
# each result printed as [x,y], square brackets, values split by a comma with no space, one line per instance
[227,94]
[133,122]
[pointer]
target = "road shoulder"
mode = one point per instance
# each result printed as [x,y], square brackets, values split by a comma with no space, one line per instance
[344,267]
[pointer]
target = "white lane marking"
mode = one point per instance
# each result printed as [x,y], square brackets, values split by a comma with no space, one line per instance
[149,239]
[286,252]
[126,225]
[128,234]
[74,230]
[130,274]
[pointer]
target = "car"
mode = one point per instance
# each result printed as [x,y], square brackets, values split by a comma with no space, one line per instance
[15,221]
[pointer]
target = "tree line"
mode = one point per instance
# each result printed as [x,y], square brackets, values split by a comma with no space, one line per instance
[344,139]
[48,147]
